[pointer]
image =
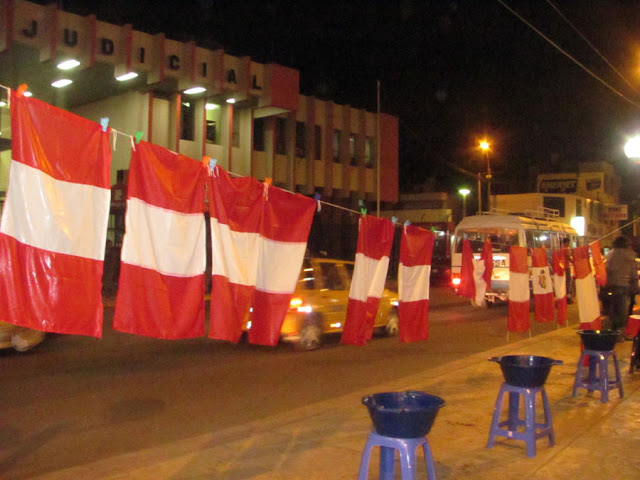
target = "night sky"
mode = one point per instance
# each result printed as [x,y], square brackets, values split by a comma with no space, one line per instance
[453,72]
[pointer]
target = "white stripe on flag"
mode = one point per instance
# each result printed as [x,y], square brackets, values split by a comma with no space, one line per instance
[54,215]
[281,262]
[156,236]
[559,286]
[542,281]
[414,283]
[368,268]
[237,255]
[518,287]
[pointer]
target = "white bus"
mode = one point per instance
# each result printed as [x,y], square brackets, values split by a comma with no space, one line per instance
[529,229]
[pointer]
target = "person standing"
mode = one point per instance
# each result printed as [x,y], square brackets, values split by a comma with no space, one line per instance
[567,259]
[621,277]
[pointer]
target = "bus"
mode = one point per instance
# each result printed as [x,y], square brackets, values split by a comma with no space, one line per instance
[528,229]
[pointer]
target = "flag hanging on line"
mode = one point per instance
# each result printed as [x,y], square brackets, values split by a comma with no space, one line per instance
[54,221]
[542,286]
[519,296]
[161,286]
[600,270]
[375,237]
[467,286]
[475,274]
[416,251]
[586,292]
[258,239]
[560,285]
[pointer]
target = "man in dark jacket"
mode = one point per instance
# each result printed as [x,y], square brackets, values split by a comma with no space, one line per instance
[621,277]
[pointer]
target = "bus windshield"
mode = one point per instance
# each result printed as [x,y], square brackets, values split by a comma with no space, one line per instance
[501,238]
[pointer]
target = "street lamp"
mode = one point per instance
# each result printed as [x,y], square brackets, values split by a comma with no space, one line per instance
[464,192]
[632,149]
[484,146]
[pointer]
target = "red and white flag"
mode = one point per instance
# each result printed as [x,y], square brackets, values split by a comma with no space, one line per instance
[586,292]
[54,221]
[375,237]
[560,285]
[518,320]
[416,251]
[258,239]
[475,274]
[161,286]
[599,267]
[542,286]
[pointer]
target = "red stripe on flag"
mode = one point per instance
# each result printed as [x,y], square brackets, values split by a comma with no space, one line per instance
[229,308]
[467,286]
[581,264]
[414,323]
[159,306]
[598,263]
[518,320]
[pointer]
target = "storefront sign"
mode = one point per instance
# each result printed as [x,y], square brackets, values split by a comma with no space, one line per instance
[616,212]
[559,185]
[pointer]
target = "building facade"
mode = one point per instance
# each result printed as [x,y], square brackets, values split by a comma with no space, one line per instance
[250,117]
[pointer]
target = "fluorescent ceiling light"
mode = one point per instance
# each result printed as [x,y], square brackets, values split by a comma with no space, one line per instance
[63,82]
[194,90]
[231,100]
[68,64]
[126,76]
[210,106]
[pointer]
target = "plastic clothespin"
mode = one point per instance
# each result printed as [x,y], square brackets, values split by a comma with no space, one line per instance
[394,219]
[212,163]
[406,224]
[266,185]
[316,197]
[205,161]
[138,136]
[363,209]
[21,89]
[104,121]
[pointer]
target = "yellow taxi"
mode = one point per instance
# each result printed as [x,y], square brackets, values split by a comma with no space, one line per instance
[319,304]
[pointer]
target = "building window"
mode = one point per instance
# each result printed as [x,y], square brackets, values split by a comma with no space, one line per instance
[336,145]
[318,142]
[557,203]
[281,141]
[578,207]
[213,112]
[368,152]
[187,121]
[258,134]
[300,140]
[353,149]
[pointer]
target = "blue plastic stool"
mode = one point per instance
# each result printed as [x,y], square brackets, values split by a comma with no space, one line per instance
[598,376]
[407,451]
[532,430]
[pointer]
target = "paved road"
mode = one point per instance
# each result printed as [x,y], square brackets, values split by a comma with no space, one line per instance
[75,399]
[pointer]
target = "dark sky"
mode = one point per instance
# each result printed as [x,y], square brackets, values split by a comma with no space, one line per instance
[452,71]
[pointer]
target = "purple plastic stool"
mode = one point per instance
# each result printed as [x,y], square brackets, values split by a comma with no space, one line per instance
[598,376]
[532,430]
[406,450]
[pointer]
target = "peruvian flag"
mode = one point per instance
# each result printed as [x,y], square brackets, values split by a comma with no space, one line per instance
[416,250]
[598,263]
[542,286]
[54,221]
[258,239]
[518,320]
[161,286]
[375,237]
[475,274]
[586,292]
[560,285]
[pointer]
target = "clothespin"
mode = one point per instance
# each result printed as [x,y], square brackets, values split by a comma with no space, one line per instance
[138,136]
[394,219]
[104,121]
[205,161]
[316,197]
[21,89]
[406,224]
[212,163]
[267,184]
[363,209]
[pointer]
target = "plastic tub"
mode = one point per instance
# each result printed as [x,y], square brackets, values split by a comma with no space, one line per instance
[601,340]
[529,371]
[407,414]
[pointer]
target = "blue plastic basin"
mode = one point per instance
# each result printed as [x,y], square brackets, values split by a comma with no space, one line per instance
[407,414]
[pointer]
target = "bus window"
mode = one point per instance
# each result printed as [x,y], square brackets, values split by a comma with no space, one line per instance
[501,239]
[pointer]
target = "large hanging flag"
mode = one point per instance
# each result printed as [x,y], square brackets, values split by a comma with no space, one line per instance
[598,263]
[560,285]
[258,239]
[519,296]
[54,221]
[416,251]
[375,237]
[161,286]
[542,286]
[586,292]
[475,274]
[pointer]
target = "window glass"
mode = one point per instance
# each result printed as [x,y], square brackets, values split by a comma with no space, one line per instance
[336,145]
[281,142]
[353,149]
[318,142]
[300,140]
[501,239]
[258,134]
[307,277]
[331,277]
[187,121]
[368,152]
[213,112]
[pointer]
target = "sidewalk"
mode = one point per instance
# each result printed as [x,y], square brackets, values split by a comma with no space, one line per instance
[324,441]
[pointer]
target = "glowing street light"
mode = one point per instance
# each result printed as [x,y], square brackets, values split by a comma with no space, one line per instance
[632,149]
[464,192]
[485,147]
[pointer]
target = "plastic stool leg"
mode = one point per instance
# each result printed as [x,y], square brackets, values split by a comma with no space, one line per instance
[604,378]
[578,378]
[514,407]
[547,417]
[387,463]
[428,458]
[408,463]
[364,461]
[495,420]
[618,377]
[530,424]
